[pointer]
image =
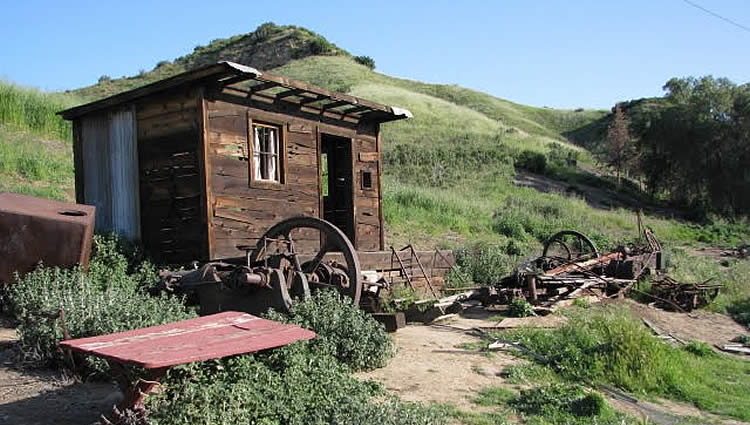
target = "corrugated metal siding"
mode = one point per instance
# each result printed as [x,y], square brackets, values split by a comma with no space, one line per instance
[95,130]
[110,162]
[124,173]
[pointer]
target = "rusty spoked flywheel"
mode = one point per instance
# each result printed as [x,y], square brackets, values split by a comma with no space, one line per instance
[282,243]
[568,246]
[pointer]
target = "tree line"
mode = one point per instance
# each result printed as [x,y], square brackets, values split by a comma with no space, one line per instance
[691,147]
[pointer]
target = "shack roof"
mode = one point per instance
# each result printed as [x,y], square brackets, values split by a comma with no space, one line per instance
[261,86]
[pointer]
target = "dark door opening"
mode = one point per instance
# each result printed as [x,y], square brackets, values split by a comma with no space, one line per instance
[336,182]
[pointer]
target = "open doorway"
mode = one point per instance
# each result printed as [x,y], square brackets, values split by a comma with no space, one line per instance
[336,182]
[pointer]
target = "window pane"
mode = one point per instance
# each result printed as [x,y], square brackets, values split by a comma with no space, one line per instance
[266,153]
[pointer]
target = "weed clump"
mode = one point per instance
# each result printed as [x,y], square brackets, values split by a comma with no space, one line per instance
[519,307]
[556,398]
[343,330]
[486,264]
[609,346]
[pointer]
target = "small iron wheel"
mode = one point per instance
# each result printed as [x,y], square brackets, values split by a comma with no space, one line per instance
[279,247]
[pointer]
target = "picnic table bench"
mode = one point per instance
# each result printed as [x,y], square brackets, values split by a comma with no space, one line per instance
[157,348]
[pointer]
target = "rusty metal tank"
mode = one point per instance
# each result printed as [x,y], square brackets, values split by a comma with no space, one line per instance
[34,229]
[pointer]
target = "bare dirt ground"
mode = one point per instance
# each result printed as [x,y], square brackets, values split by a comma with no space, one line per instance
[430,367]
[31,396]
[699,325]
[594,196]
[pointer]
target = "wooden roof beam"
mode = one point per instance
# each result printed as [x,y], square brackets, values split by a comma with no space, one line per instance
[262,86]
[288,93]
[356,109]
[233,80]
[335,104]
[312,99]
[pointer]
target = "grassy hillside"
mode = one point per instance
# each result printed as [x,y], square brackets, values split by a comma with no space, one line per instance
[455,106]
[449,169]
[267,47]
[35,144]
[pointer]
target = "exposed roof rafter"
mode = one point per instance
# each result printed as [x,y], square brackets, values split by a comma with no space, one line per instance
[227,73]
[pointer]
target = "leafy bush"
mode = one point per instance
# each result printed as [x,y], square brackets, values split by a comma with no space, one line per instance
[297,384]
[700,349]
[528,373]
[366,61]
[486,264]
[535,162]
[106,299]
[319,45]
[265,30]
[519,307]
[559,155]
[344,330]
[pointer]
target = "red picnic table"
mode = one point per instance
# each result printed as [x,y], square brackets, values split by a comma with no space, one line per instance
[157,348]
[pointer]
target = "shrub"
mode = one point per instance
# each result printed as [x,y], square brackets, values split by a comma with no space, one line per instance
[366,61]
[558,397]
[484,263]
[700,349]
[535,162]
[104,78]
[519,307]
[297,384]
[561,156]
[265,30]
[106,299]
[344,330]
[319,45]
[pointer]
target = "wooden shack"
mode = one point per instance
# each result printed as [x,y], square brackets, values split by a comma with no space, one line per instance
[198,164]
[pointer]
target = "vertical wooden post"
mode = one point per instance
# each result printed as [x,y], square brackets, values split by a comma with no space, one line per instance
[531,282]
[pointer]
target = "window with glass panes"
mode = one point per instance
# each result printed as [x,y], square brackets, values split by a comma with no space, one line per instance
[266,153]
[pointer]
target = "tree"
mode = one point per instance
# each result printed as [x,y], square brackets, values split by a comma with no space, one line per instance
[695,147]
[619,143]
[366,61]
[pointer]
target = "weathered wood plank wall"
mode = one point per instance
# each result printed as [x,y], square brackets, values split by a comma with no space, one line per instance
[241,212]
[173,226]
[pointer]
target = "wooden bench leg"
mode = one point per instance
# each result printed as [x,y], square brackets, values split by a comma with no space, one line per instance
[134,391]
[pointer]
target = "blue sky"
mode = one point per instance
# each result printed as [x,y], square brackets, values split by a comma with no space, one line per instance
[583,53]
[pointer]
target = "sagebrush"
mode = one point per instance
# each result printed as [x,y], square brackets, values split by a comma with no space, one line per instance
[343,330]
[109,297]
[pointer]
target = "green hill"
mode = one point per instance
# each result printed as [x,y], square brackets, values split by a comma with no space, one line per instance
[449,169]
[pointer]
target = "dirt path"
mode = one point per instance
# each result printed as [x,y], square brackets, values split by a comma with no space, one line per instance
[44,397]
[699,325]
[594,196]
[429,367]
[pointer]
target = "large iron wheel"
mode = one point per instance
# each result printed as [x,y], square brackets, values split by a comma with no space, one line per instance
[278,247]
[569,246]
